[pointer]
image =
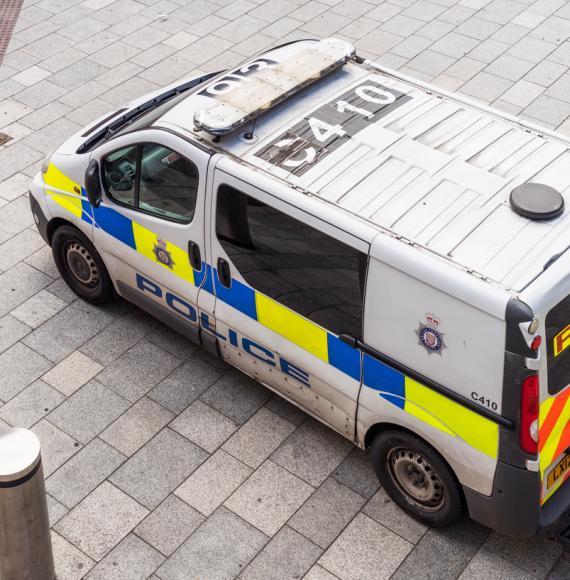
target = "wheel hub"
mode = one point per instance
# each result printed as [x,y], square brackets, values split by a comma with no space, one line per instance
[416,478]
[81,264]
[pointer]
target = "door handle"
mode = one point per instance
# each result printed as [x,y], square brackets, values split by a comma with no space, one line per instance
[224,274]
[194,255]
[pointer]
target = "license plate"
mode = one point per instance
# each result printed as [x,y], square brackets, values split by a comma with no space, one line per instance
[558,471]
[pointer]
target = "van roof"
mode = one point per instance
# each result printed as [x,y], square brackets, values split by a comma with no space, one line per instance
[426,166]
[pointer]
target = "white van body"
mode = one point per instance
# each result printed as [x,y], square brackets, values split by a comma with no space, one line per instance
[415,180]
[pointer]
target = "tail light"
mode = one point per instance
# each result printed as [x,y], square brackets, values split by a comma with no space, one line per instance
[528,435]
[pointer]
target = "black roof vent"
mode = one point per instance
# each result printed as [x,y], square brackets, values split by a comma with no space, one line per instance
[537,201]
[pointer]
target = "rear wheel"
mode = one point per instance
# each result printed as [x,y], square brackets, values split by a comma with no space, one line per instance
[81,266]
[417,478]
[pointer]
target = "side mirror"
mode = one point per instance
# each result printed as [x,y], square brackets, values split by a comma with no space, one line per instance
[93,184]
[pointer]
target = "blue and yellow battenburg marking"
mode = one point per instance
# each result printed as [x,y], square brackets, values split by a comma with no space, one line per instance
[67,193]
[393,386]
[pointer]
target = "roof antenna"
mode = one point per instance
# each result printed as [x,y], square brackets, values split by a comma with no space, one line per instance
[249,136]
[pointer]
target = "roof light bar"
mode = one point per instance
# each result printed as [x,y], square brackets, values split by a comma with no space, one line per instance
[271,85]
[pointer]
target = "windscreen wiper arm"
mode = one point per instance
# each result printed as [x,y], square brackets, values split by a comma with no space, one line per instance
[131,115]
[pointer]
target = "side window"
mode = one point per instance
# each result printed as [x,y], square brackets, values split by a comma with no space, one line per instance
[168,183]
[152,179]
[297,265]
[119,172]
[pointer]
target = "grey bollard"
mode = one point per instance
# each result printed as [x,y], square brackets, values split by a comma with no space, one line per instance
[25,542]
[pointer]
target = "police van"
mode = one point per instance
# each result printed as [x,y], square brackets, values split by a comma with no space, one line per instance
[389,257]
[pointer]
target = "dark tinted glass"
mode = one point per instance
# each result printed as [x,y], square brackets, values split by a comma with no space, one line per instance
[295,264]
[558,346]
[168,183]
[119,174]
[165,184]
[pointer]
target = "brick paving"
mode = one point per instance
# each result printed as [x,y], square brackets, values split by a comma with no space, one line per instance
[152,469]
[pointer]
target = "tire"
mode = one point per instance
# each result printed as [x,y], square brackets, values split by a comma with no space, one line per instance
[417,478]
[81,266]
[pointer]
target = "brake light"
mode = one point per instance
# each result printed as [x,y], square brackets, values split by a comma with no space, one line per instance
[528,434]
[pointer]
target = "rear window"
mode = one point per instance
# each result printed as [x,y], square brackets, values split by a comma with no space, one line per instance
[558,346]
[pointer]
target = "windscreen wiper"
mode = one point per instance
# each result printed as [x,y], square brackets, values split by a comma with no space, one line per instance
[133,114]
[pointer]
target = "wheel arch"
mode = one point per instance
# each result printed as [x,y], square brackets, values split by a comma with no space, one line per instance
[55,223]
[382,427]
[378,428]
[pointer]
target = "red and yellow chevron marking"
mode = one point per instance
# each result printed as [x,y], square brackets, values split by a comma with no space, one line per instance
[562,341]
[554,435]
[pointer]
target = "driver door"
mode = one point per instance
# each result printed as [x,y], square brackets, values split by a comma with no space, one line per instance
[149,227]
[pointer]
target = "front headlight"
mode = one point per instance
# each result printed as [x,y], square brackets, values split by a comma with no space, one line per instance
[46,162]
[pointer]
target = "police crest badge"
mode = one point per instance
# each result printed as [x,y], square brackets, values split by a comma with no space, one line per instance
[429,335]
[162,254]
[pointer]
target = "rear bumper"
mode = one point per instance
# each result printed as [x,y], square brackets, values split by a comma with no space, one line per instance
[514,509]
[554,519]
[513,506]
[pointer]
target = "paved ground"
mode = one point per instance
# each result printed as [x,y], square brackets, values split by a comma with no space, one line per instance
[201,472]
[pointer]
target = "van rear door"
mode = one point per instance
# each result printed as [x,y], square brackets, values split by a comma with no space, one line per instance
[554,418]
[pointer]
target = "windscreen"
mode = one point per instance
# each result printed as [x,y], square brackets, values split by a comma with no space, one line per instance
[558,346]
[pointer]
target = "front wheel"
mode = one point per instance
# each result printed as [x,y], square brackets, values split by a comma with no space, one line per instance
[417,478]
[81,266]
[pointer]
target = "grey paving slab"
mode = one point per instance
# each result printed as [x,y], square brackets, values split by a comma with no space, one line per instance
[96,461]
[57,446]
[67,330]
[442,555]
[39,308]
[70,563]
[20,367]
[486,87]
[204,426]
[14,186]
[486,564]
[327,512]
[213,482]
[286,410]
[136,426]
[312,452]
[535,556]
[220,548]
[364,550]
[548,109]
[101,520]
[171,341]
[356,472]
[11,331]
[258,438]
[236,396]
[287,555]
[72,372]
[154,471]
[383,510]
[561,569]
[42,260]
[60,289]
[20,246]
[88,411]
[131,559]
[118,337]
[169,525]
[56,510]
[138,370]
[318,573]
[30,405]
[269,497]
